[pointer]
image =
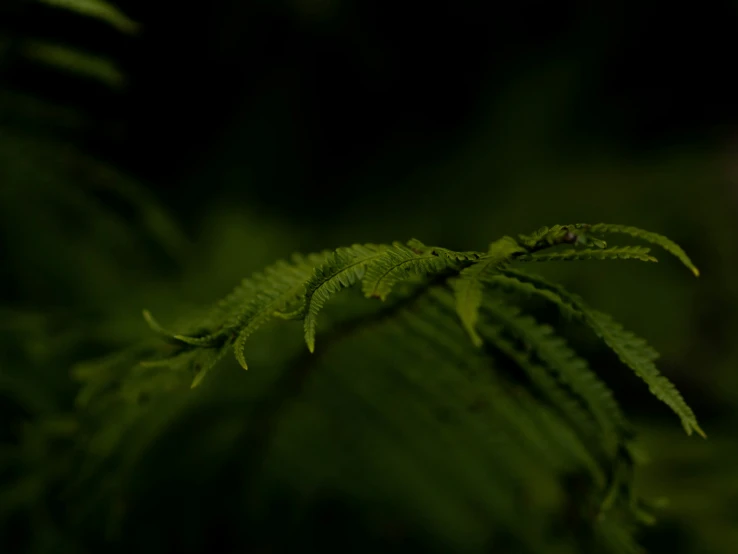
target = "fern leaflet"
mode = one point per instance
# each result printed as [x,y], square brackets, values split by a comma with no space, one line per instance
[571,370]
[637,354]
[654,238]
[399,262]
[252,304]
[343,268]
[615,253]
[546,237]
[281,285]
[632,350]
[468,286]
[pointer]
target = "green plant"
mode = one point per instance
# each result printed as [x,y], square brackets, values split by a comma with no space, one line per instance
[443,410]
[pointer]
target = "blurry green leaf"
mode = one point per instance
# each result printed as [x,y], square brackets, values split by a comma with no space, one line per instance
[98,9]
[76,61]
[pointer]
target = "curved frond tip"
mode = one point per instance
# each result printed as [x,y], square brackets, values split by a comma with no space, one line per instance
[342,269]
[632,350]
[654,238]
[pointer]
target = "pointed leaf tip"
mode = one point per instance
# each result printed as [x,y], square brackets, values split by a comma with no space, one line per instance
[198,379]
[240,357]
[153,324]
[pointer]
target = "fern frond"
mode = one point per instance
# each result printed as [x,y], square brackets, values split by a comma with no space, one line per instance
[468,286]
[171,372]
[196,363]
[206,362]
[343,268]
[633,351]
[419,248]
[571,370]
[614,253]
[508,280]
[439,393]
[172,336]
[541,379]
[546,237]
[398,262]
[278,286]
[96,375]
[398,393]
[228,313]
[252,304]
[637,354]
[543,429]
[654,238]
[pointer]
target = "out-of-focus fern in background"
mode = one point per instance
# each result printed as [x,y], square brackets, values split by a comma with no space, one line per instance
[153,156]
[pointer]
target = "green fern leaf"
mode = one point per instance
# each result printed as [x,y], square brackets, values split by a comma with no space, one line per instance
[615,253]
[633,351]
[172,336]
[399,262]
[637,354]
[468,286]
[279,286]
[654,238]
[571,370]
[577,418]
[180,365]
[541,378]
[508,280]
[252,304]
[546,237]
[228,313]
[418,391]
[207,361]
[420,248]
[343,268]
[543,235]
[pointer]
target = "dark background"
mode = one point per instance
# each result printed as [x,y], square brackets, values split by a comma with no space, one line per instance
[318,96]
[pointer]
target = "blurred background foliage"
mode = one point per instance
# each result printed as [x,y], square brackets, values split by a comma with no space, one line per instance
[154,154]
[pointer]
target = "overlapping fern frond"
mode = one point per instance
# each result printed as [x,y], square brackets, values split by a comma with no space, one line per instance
[311,281]
[553,409]
[344,268]
[633,351]
[468,286]
[604,418]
